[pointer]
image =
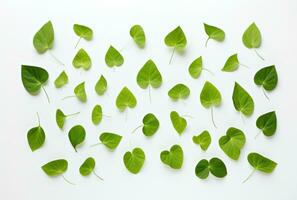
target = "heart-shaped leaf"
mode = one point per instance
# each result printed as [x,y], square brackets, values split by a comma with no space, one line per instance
[251,37]
[80,92]
[215,166]
[150,124]
[149,75]
[44,38]
[76,135]
[231,64]
[195,68]
[179,123]
[110,140]
[214,33]
[87,167]
[36,137]
[266,77]
[113,57]
[232,142]
[61,117]
[82,32]
[173,158]
[267,123]
[125,99]
[101,85]
[97,114]
[138,35]
[203,139]
[82,59]
[134,160]
[61,80]
[55,167]
[179,91]
[242,101]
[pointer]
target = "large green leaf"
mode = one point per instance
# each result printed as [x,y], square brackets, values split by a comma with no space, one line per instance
[61,80]
[231,64]
[125,99]
[36,137]
[44,38]
[82,32]
[150,124]
[173,158]
[134,160]
[87,167]
[251,37]
[33,78]
[196,67]
[80,92]
[179,123]
[266,77]
[267,123]
[149,75]
[113,57]
[242,101]
[110,140]
[179,91]
[82,60]
[55,167]
[210,96]
[203,139]
[215,166]
[77,135]
[214,33]
[97,114]
[138,35]
[61,117]
[101,85]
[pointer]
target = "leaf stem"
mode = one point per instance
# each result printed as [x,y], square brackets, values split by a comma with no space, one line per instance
[265,94]
[68,97]
[93,145]
[251,174]
[207,41]
[46,94]
[72,114]
[107,116]
[136,128]
[257,135]
[65,179]
[149,91]
[189,116]
[172,55]
[56,59]
[259,55]
[98,176]
[241,117]
[38,118]
[208,71]
[77,42]
[212,118]
[244,65]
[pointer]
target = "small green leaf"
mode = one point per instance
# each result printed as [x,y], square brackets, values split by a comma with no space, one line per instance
[44,38]
[173,158]
[33,78]
[179,123]
[61,80]
[251,37]
[203,139]
[76,135]
[80,92]
[55,167]
[202,169]
[267,123]
[113,57]
[134,160]
[232,142]
[110,140]
[214,33]
[101,85]
[97,114]
[82,59]
[61,117]
[179,91]
[242,101]
[149,75]
[195,68]
[150,124]
[231,64]
[87,167]
[83,31]
[210,96]
[125,99]
[138,35]
[266,77]
[36,137]
[215,166]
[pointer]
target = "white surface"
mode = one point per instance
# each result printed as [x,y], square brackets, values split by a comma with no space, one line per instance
[20,173]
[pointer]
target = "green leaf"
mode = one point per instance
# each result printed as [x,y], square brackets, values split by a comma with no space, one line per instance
[232,142]
[113,57]
[179,91]
[179,123]
[242,101]
[266,77]
[76,135]
[149,75]
[138,35]
[44,38]
[203,139]
[150,124]
[176,39]
[267,123]
[210,95]
[101,85]
[251,37]
[61,80]
[80,92]
[214,33]
[110,140]
[125,99]
[36,137]
[33,78]
[97,114]
[231,64]
[134,160]
[195,67]
[173,158]
[87,167]
[261,163]
[215,166]
[55,167]
[83,31]
[82,59]
[61,117]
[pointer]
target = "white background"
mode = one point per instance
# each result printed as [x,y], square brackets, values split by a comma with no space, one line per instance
[20,173]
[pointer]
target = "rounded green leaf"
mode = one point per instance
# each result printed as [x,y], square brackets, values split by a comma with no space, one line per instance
[203,139]
[179,123]
[80,92]
[214,33]
[44,38]
[251,37]
[150,124]
[173,158]
[36,137]
[149,75]
[176,39]
[83,31]
[87,167]
[134,160]
[76,135]
[113,57]
[125,99]
[179,91]
[261,163]
[242,101]
[60,118]
[231,64]
[55,167]
[33,78]
[232,142]
[110,140]
[82,59]
[266,77]
[97,114]
[202,169]
[61,80]
[210,95]
[138,35]
[101,85]
[195,68]
[217,168]
[267,123]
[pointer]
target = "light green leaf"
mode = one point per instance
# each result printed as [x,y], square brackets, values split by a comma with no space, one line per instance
[82,59]
[210,96]
[76,135]
[179,123]
[267,123]
[195,67]
[134,160]
[266,77]
[83,31]
[242,101]
[97,114]
[125,99]
[101,85]
[150,124]
[87,167]
[173,158]
[214,33]
[61,80]
[149,75]
[44,38]
[251,37]
[55,167]
[203,139]
[231,64]
[80,92]
[215,166]
[110,140]
[232,142]
[61,117]
[113,57]
[138,35]
[36,137]
[179,91]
